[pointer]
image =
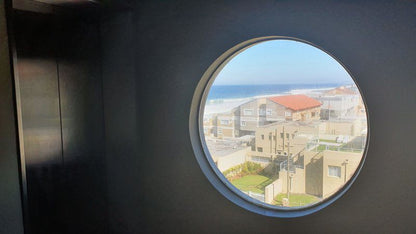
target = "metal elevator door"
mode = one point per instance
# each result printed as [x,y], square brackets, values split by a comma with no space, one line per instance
[59,102]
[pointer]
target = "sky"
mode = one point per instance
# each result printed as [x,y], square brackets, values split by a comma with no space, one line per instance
[282,62]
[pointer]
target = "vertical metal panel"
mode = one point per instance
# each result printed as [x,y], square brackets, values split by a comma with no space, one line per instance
[60,98]
[38,95]
[82,127]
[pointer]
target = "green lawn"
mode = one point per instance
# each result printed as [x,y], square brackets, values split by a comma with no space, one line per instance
[330,147]
[296,199]
[325,140]
[253,183]
[338,148]
[351,150]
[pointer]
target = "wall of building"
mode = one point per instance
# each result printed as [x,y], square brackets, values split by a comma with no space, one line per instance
[306,115]
[277,111]
[225,125]
[336,158]
[345,128]
[280,112]
[296,181]
[269,138]
[251,121]
[313,176]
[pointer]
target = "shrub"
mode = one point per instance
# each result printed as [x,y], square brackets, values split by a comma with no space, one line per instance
[247,168]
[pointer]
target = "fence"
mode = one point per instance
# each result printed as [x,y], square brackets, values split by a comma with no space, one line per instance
[226,162]
[257,196]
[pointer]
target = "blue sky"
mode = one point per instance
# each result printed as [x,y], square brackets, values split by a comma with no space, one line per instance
[282,62]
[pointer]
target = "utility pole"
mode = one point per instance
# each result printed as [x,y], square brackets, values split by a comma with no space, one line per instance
[283,138]
[345,170]
[288,169]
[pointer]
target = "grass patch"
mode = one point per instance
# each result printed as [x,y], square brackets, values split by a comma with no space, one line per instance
[296,199]
[338,148]
[329,141]
[253,183]
[329,147]
[351,150]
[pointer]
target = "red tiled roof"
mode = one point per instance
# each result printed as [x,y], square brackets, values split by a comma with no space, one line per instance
[296,102]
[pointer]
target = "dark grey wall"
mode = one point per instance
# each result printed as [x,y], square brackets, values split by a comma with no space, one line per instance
[121,121]
[175,41]
[11,219]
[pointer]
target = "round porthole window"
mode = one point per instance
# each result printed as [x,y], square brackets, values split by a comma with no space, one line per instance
[279,126]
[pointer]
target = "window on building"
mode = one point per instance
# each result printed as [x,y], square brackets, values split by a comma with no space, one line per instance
[224,122]
[334,171]
[278,109]
[248,112]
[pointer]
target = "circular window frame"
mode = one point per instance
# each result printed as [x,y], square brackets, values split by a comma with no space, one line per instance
[211,171]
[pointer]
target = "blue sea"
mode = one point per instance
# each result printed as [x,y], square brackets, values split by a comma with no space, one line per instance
[220,92]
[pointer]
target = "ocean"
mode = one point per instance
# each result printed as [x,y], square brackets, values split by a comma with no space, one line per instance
[222,98]
[221,92]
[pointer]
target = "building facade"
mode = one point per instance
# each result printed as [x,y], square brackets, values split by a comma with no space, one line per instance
[292,108]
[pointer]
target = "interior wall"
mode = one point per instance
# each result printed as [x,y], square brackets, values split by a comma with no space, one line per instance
[121,121]
[176,41]
[152,60]
[11,217]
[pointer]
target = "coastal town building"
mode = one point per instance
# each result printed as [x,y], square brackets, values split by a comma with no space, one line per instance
[307,144]
[301,157]
[321,174]
[277,140]
[248,117]
[292,108]
[227,124]
[339,103]
[331,129]
[252,115]
[209,124]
